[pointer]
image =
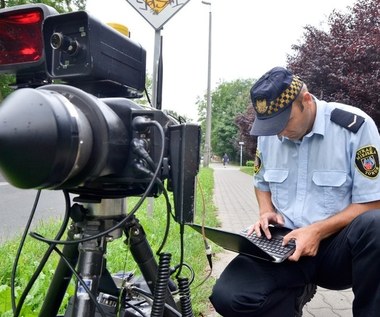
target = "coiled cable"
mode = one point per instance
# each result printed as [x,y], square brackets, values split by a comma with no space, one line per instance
[163,275]
[184,297]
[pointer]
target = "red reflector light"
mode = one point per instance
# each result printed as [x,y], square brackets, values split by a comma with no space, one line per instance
[21,36]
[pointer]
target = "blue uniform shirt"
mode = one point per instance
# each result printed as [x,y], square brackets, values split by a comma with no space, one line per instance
[332,167]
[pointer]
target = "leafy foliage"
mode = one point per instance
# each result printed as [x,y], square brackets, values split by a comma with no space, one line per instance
[5,82]
[229,99]
[244,122]
[343,64]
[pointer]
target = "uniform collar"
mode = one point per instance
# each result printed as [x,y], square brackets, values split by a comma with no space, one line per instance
[319,126]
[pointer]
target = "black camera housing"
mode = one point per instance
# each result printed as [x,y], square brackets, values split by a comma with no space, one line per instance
[85,136]
[91,55]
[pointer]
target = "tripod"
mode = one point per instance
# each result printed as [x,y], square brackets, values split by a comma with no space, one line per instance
[96,292]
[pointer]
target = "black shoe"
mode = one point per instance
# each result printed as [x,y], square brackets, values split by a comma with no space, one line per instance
[307,294]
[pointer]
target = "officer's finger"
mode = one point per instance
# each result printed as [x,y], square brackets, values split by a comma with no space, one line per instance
[257,228]
[280,220]
[295,256]
[265,228]
[251,229]
[287,238]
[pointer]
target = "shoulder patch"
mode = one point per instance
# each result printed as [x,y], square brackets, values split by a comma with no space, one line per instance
[367,161]
[346,119]
[257,163]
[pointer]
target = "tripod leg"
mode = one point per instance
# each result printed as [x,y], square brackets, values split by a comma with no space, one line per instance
[143,256]
[60,281]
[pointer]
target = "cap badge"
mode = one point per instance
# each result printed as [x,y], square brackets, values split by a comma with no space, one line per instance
[261,106]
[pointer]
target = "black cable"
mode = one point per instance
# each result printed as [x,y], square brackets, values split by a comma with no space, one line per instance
[80,280]
[181,233]
[192,275]
[191,271]
[184,297]
[142,169]
[46,256]
[135,208]
[167,227]
[18,254]
[162,281]
[150,296]
[136,308]
[147,96]
[139,149]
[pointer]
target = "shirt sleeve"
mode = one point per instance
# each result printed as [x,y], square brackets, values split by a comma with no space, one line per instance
[365,162]
[258,170]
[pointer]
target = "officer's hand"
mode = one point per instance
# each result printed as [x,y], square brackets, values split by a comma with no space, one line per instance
[263,223]
[307,242]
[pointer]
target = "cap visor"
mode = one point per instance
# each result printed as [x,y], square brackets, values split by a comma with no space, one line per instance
[271,126]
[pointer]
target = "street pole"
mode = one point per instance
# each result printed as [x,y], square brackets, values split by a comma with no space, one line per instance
[207,149]
[241,153]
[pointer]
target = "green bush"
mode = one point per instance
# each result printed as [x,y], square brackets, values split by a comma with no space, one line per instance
[249,163]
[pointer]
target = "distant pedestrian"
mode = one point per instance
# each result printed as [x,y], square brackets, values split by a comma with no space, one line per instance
[226,159]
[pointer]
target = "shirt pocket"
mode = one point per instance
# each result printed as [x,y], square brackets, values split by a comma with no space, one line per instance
[277,180]
[329,190]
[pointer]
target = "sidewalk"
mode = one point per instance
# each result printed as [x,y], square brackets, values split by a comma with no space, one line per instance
[237,209]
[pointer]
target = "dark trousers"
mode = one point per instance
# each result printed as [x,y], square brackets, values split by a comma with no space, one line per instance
[350,258]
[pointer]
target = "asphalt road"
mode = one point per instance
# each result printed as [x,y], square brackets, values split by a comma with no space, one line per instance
[16,205]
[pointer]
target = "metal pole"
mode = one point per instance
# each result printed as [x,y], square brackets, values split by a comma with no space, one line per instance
[156,60]
[241,153]
[155,92]
[207,154]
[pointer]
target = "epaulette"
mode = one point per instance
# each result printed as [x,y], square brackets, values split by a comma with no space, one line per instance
[346,119]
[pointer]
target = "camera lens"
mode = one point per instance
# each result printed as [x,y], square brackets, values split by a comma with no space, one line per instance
[56,40]
[64,138]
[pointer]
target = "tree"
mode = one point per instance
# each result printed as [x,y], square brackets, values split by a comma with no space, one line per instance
[343,63]
[244,122]
[228,100]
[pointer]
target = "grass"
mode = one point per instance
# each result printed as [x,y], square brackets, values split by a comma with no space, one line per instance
[247,169]
[118,256]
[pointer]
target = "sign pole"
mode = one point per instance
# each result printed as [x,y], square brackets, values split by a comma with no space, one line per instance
[157,13]
[156,65]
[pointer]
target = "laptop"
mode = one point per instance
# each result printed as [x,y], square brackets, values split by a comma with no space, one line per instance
[261,248]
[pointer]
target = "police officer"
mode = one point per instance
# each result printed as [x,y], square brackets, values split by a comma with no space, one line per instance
[316,172]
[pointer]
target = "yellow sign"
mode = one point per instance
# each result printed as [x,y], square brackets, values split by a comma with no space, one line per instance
[157,12]
[157,6]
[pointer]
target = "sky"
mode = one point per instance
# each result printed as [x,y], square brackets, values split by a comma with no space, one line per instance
[248,37]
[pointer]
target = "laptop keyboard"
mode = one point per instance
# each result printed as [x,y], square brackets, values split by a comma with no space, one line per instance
[273,245]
